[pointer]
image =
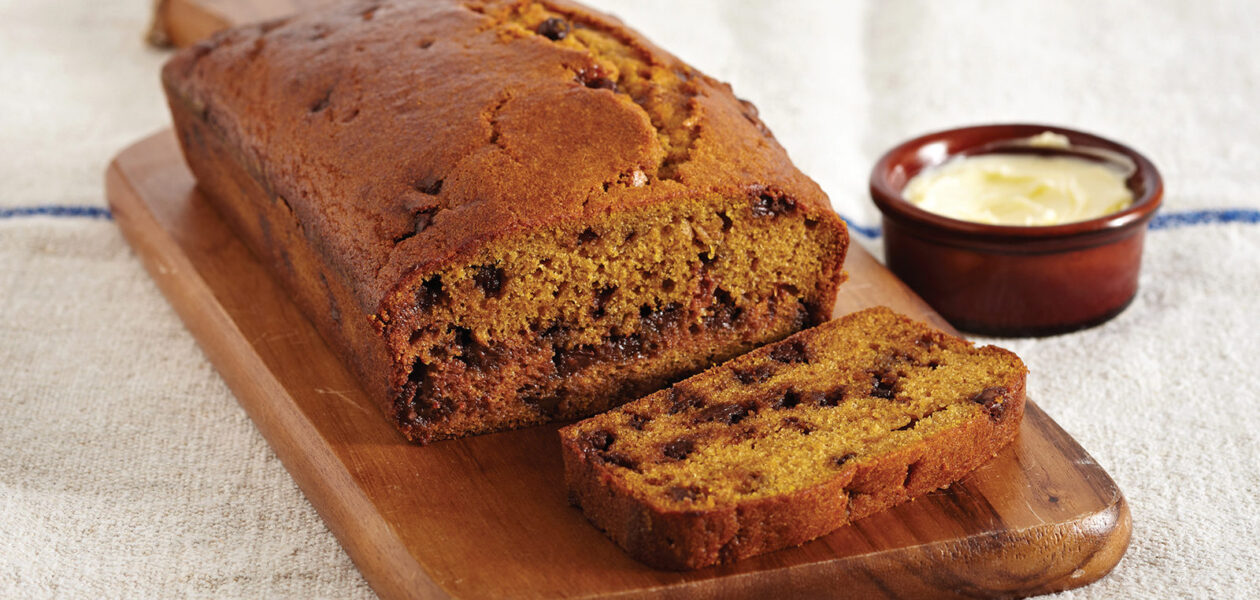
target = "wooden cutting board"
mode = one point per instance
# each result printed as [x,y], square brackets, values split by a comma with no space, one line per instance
[488,516]
[186,22]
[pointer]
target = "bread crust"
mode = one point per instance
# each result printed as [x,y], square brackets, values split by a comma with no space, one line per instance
[322,137]
[667,538]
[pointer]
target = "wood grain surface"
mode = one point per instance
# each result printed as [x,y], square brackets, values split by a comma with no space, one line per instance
[488,516]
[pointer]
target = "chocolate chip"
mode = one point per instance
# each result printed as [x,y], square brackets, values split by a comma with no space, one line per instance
[790,351]
[431,293]
[600,439]
[726,221]
[619,459]
[803,318]
[707,258]
[490,279]
[994,401]
[751,374]
[680,448]
[476,355]
[546,404]
[723,297]
[421,402]
[587,236]
[638,421]
[463,336]
[840,461]
[417,376]
[681,399]
[753,116]
[554,29]
[772,204]
[832,398]
[723,312]
[549,405]
[679,493]
[754,373]
[885,382]
[594,77]
[616,348]
[571,360]
[789,399]
[729,414]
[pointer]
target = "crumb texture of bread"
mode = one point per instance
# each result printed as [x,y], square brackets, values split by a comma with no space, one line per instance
[793,440]
[503,213]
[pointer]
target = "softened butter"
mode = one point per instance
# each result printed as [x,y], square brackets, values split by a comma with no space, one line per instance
[1022,189]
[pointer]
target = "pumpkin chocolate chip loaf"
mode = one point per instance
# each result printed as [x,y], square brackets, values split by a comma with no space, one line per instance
[504,213]
[793,440]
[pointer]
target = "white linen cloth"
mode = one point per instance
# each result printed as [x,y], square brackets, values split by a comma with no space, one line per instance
[128,470]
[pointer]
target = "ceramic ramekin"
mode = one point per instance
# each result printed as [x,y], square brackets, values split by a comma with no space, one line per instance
[1012,280]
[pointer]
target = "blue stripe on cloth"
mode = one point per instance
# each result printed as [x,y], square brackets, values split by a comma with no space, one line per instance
[1205,217]
[56,210]
[866,232]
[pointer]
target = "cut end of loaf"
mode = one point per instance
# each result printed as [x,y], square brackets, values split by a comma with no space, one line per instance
[569,321]
[790,441]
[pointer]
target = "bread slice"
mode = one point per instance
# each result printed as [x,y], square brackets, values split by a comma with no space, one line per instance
[793,440]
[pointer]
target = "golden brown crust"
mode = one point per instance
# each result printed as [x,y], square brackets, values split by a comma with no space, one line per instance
[666,535]
[361,149]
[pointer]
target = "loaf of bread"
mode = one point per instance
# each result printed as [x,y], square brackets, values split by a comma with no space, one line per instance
[793,440]
[503,213]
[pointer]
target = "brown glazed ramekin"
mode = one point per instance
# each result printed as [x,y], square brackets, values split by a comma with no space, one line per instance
[1013,280]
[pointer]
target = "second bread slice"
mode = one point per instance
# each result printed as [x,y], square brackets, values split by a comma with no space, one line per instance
[793,440]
